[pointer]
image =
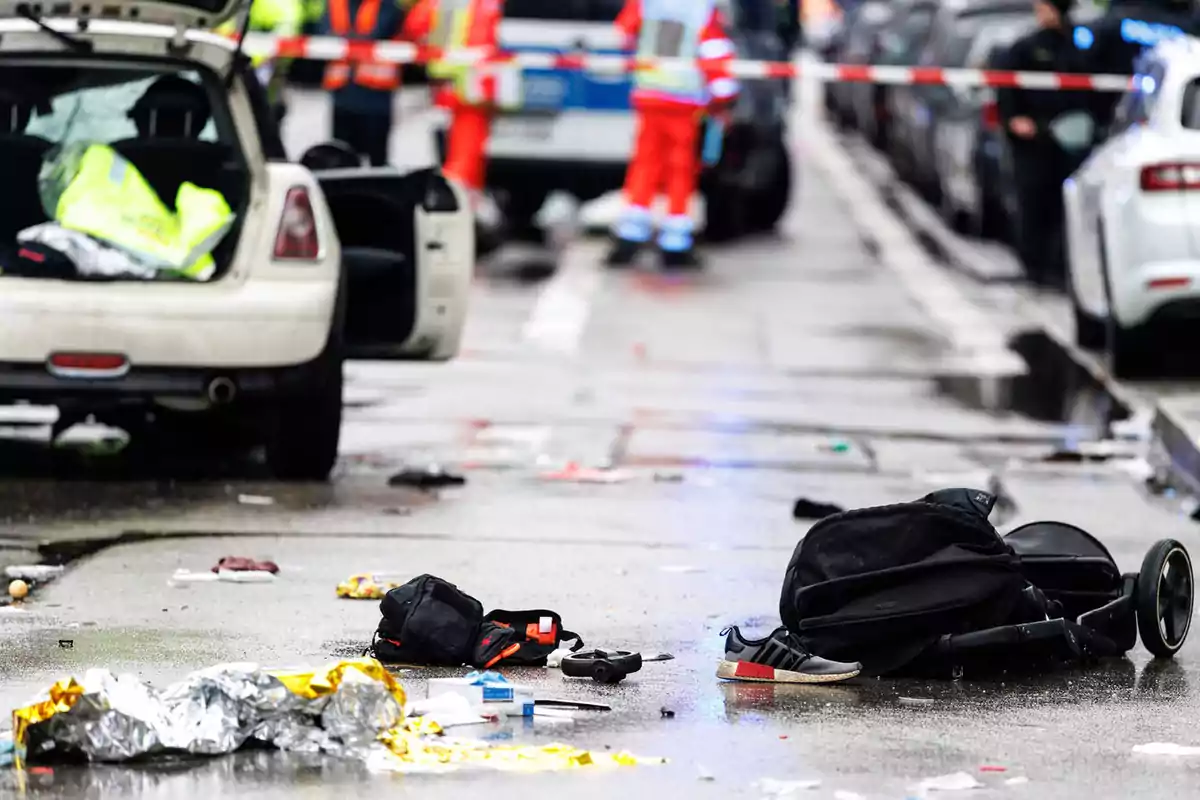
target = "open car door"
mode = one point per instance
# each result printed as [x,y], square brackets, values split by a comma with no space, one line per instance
[408,250]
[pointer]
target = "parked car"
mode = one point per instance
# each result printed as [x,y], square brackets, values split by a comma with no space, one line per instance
[967,140]
[575,130]
[314,267]
[860,46]
[900,43]
[1132,241]
[919,109]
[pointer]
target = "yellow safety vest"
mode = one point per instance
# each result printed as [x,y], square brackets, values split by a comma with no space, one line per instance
[105,196]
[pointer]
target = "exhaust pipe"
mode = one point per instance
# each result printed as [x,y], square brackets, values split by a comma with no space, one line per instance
[221,391]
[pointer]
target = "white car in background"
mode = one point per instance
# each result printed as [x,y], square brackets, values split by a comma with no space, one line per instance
[1132,220]
[318,266]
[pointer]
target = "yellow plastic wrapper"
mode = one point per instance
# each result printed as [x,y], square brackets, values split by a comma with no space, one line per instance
[364,586]
[311,685]
[61,697]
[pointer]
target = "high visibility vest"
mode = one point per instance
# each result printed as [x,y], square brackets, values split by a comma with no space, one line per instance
[673,29]
[105,196]
[371,74]
[280,17]
[458,27]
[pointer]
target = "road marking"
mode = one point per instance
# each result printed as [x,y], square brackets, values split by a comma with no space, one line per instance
[978,345]
[561,312]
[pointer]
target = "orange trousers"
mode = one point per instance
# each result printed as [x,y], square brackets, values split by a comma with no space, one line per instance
[466,146]
[665,157]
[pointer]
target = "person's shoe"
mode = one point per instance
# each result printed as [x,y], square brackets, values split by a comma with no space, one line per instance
[779,658]
[623,253]
[681,259]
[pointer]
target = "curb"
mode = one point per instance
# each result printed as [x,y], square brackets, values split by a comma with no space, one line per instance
[1048,348]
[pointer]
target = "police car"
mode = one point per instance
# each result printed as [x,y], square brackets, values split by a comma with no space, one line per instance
[317,266]
[1131,210]
[575,130]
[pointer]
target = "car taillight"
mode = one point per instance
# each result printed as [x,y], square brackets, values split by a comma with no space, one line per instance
[989,116]
[1174,177]
[296,239]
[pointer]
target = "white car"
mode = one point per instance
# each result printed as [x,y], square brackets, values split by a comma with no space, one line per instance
[1132,210]
[318,266]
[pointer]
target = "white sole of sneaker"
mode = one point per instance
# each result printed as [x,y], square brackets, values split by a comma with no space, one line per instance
[759,673]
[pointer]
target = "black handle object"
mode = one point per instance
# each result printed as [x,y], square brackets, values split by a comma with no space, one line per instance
[602,666]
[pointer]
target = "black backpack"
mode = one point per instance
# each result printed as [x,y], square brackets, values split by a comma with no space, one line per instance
[882,586]
[431,622]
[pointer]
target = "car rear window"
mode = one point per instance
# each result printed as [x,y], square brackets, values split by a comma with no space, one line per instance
[89,102]
[1191,106]
[564,10]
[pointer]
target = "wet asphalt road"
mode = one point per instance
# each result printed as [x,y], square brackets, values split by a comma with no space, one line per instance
[725,396]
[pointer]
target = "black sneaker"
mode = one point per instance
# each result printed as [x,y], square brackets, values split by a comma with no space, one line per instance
[623,253]
[779,658]
[681,259]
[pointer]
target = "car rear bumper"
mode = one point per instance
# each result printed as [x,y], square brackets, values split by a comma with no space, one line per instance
[140,386]
[253,324]
[1137,302]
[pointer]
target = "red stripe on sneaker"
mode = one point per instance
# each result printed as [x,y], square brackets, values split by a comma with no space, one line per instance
[745,669]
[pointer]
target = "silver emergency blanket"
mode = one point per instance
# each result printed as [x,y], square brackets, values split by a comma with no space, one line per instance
[213,712]
[92,258]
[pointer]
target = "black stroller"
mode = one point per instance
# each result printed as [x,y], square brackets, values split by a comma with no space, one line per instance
[930,589]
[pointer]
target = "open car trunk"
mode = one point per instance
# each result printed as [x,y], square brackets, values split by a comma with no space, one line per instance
[169,120]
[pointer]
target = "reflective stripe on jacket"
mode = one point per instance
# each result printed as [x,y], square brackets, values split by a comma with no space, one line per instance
[369,25]
[678,29]
[466,29]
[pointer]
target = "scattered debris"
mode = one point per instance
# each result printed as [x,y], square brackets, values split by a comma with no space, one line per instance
[704,773]
[574,473]
[916,701]
[255,500]
[574,705]
[487,690]
[66,644]
[240,564]
[666,713]
[18,589]
[811,509]
[835,446]
[432,477]
[1093,452]
[602,666]
[38,573]
[1165,749]
[182,577]
[776,788]
[364,586]
[668,477]
[992,768]
[954,782]
[400,511]
[842,794]
[1020,780]
[681,569]
[350,709]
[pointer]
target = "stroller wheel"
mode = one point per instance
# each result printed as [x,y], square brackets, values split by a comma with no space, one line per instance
[1164,598]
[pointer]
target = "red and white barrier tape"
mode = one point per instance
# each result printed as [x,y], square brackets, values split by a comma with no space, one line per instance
[321,48]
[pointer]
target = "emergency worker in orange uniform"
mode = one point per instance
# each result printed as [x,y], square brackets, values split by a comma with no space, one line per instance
[470,91]
[363,91]
[671,105]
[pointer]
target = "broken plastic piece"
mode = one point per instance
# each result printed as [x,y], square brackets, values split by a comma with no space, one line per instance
[364,587]
[954,782]
[776,788]
[1165,749]
[704,773]
[573,473]
[255,500]
[811,509]
[38,573]
[916,701]
[432,477]
[666,713]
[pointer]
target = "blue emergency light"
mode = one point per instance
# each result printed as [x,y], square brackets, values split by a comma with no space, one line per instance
[1084,38]
[1147,34]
